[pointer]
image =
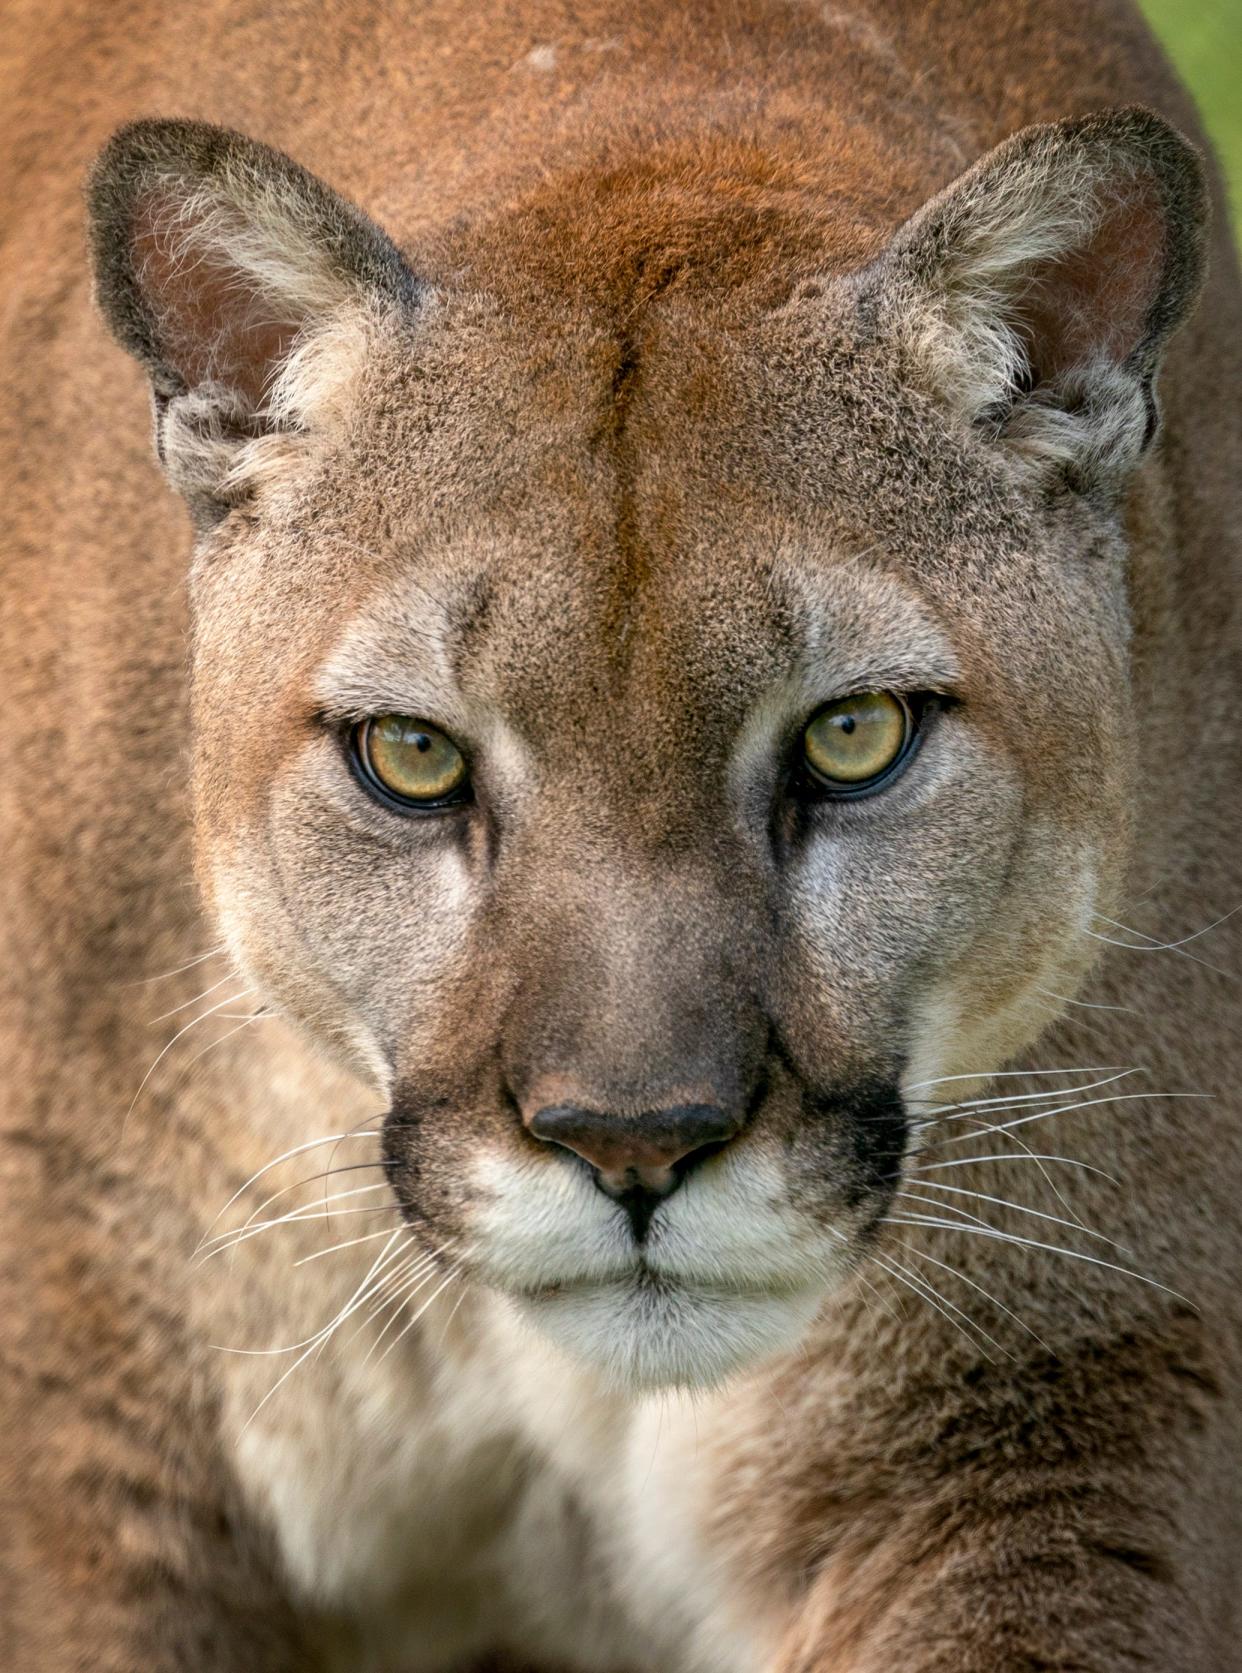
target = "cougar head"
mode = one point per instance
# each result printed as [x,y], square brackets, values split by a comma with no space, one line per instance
[660,686]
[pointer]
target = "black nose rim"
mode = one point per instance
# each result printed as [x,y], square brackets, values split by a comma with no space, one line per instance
[654,1144]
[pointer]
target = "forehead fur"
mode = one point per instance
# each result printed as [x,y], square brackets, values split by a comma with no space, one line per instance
[473,443]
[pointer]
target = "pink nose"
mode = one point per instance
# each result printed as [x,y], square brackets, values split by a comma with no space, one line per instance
[637,1150]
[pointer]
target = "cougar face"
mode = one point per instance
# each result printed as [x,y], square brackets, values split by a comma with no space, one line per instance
[664,754]
[643,1001]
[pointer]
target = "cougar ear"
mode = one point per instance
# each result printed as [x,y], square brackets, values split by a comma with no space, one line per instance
[223,266]
[1039,290]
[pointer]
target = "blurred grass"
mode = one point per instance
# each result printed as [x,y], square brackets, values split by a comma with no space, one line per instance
[1204,40]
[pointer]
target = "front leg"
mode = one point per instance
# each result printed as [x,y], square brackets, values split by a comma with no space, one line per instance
[1067,1516]
[122,1546]
[1023,1592]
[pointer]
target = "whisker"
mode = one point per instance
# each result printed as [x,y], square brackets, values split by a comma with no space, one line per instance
[186,1003]
[446,1326]
[1017,1156]
[1019,1208]
[193,1023]
[1150,945]
[883,1300]
[309,1211]
[949,1111]
[422,1275]
[1064,1109]
[983,1127]
[942,1207]
[1086,1004]
[253,1016]
[408,1327]
[923,1255]
[298,1184]
[956,1113]
[1171,946]
[351,1243]
[163,975]
[1012,1074]
[288,1155]
[360,1294]
[1031,1243]
[917,1286]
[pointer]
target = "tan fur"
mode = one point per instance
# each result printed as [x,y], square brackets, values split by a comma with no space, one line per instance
[711,361]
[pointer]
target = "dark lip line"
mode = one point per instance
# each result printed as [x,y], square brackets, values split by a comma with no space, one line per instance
[643,1277]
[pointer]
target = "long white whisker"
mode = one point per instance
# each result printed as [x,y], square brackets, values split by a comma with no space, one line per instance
[986,1127]
[949,1111]
[445,1327]
[1150,945]
[388,1291]
[360,1294]
[1064,1109]
[1021,1208]
[288,1155]
[1017,1156]
[1013,1074]
[254,1016]
[917,1286]
[986,1294]
[1031,1243]
[308,1211]
[1171,946]
[193,1023]
[299,1184]
[983,1107]
[367,1237]
[1085,1004]
[416,1281]
[185,1004]
[409,1325]
[942,1208]
[144,981]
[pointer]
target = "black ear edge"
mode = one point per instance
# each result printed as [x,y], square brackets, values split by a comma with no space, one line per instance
[178,152]
[1124,138]
[1181,172]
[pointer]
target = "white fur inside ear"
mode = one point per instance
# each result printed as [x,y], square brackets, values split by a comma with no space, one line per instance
[262,327]
[215,445]
[313,396]
[1095,419]
[252,250]
[1026,294]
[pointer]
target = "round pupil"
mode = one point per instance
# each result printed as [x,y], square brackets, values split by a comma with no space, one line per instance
[413,760]
[857,738]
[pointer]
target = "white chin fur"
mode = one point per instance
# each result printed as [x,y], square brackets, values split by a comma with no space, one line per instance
[641,1335]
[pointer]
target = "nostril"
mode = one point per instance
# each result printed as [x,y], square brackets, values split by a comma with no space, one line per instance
[652,1150]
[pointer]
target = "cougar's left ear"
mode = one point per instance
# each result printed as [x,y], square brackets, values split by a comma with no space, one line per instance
[242,283]
[1036,294]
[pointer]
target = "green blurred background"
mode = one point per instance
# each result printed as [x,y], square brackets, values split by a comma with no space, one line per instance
[1204,40]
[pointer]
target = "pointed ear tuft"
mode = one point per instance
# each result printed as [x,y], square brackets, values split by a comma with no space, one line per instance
[1038,292]
[218,263]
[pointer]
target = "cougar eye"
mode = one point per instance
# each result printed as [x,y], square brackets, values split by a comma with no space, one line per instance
[408,762]
[852,744]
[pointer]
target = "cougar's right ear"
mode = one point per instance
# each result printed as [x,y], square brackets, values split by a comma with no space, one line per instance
[243,284]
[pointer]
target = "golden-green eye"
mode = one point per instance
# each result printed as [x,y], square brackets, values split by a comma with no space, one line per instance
[409,761]
[856,740]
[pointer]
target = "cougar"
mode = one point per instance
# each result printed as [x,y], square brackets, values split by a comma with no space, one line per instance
[620,1008]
